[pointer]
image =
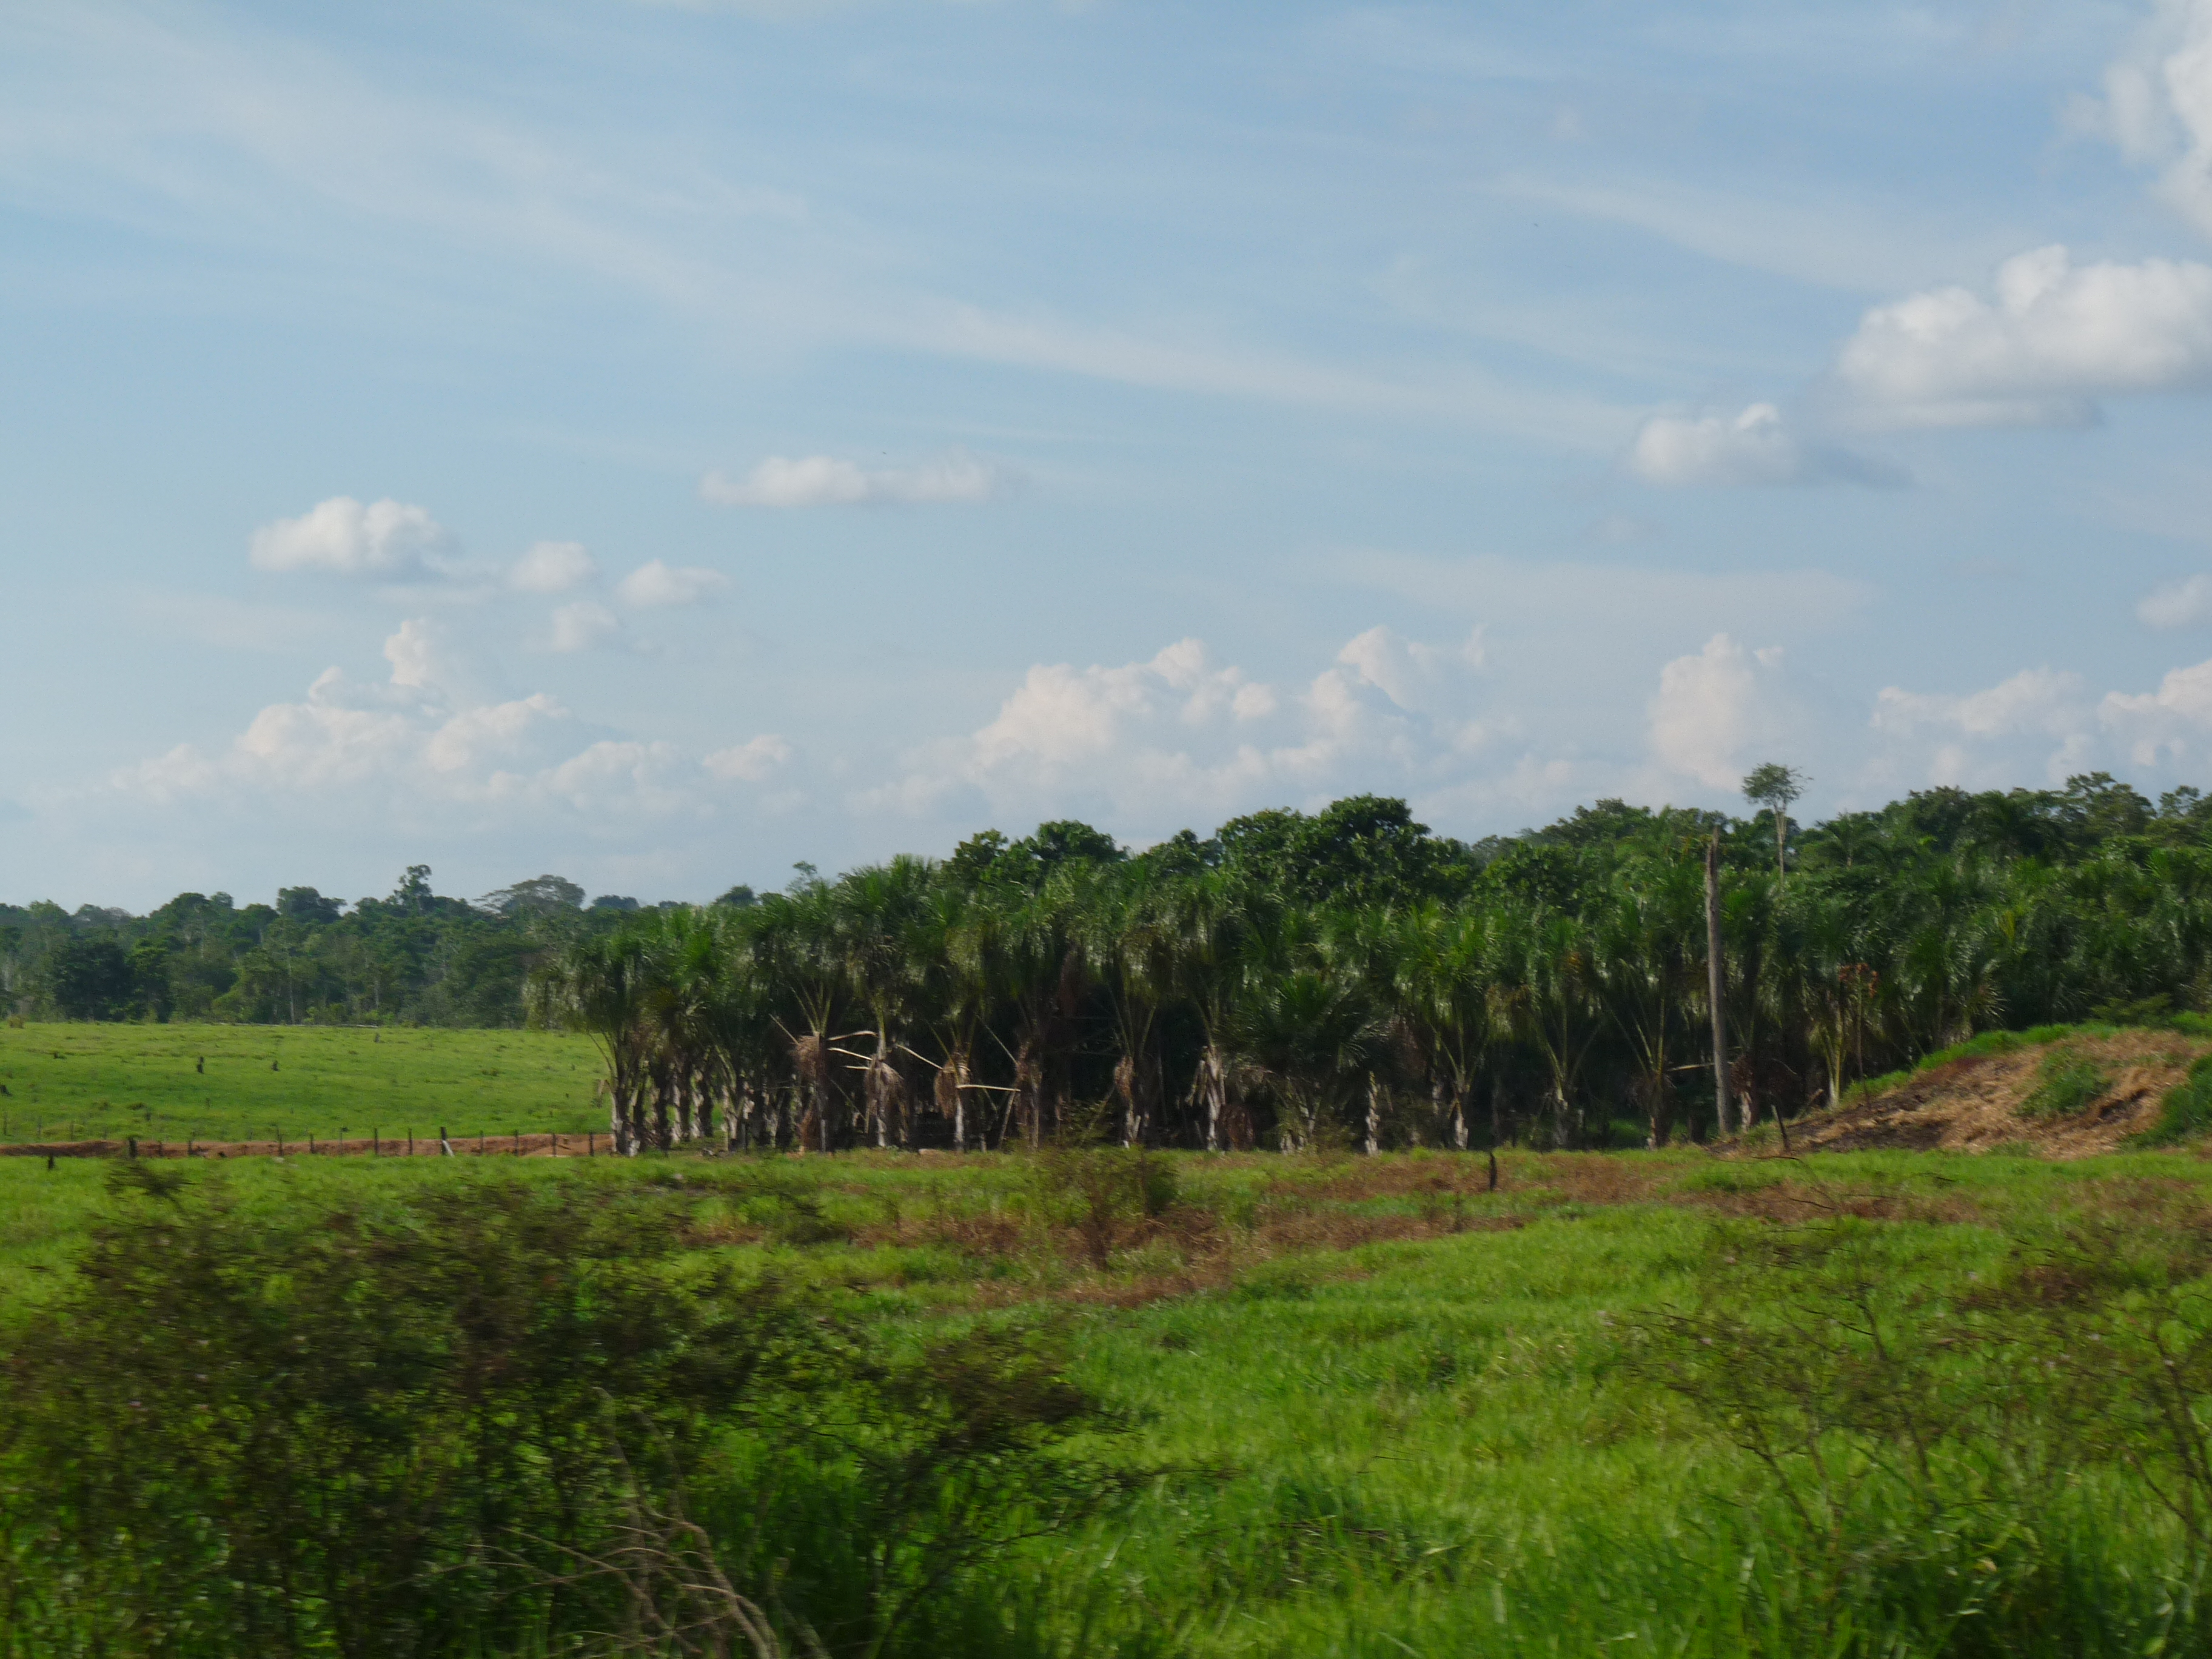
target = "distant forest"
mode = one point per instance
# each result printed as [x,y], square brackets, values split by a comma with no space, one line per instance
[1884,933]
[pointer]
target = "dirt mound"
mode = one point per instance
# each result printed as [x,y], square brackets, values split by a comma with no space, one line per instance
[1981,1101]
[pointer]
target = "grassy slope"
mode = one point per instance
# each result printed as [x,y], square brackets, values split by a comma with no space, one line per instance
[92,1082]
[1411,1444]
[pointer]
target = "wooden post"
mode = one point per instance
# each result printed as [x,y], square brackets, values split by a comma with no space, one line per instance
[591,1143]
[445,1146]
[518,1143]
[1716,982]
[311,1143]
[376,1145]
[411,1143]
[134,1148]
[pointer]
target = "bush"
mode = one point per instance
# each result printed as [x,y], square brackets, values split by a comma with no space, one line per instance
[2186,1111]
[1103,1194]
[499,1418]
[2066,1082]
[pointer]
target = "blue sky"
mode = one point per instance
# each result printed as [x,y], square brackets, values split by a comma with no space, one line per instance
[659,443]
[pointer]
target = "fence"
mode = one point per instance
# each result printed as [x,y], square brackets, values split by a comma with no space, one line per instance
[515,1144]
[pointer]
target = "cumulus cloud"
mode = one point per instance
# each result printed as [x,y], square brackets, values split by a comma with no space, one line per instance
[1713,709]
[580,626]
[1754,447]
[2055,336]
[2157,105]
[827,481]
[418,741]
[552,568]
[343,537]
[752,762]
[2173,723]
[2185,604]
[1985,736]
[1182,738]
[659,584]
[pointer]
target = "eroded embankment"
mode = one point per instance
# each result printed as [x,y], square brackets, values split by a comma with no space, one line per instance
[2012,1100]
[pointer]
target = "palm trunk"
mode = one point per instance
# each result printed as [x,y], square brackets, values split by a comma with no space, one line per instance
[1213,1089]
[1716,983]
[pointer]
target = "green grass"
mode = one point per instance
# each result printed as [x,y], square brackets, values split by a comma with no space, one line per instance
[1426,1443]
[2066,1082]
[69,1082]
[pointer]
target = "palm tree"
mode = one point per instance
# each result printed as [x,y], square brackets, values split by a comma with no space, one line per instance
[1648,965]
[1549,962]
[1213,924]
[1447,984]
[794,944]
[876,914]
[1129,942]
[601,986]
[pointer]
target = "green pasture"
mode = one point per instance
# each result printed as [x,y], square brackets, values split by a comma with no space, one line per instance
[84,1081]
[1368,1444]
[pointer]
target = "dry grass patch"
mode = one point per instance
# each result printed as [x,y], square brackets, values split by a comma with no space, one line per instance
[1981,1102]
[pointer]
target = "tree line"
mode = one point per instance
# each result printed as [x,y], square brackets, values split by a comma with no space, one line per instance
[1292,979]
[1347,977]
[413,956]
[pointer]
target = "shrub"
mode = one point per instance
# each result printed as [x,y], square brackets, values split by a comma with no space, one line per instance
[2186,1111]
[2066,1082]
[495,1418]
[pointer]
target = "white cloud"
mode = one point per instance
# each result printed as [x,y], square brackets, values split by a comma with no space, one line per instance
[2185,604]
[1182,738]
[2056,335]
[580,626]
[2157,106]
[659,584]
[2172,723]
[415,743]
[552,568]
[752,762]
[826,481]
[413,653]
[1713,709]
[1987,737]
[1755,447]
[342,537]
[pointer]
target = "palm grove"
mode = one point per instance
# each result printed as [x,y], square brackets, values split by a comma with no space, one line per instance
[1295,979]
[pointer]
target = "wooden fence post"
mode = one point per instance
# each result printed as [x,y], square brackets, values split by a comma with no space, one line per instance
[445,1146]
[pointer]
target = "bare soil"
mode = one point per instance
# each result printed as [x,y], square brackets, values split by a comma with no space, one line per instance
[1976,1104]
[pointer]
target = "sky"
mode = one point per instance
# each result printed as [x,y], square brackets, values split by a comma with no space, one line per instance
[657,444]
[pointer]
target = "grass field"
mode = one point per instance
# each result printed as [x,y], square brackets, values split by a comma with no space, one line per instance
[72,1082]
[1389,1408]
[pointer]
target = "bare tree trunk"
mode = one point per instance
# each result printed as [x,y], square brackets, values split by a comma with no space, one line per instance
[1213,1088]
[1716,983]
[1374,1115]
[1026,1103]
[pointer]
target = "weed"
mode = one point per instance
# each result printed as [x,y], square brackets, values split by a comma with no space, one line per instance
[2067,1082]
[2186,1110]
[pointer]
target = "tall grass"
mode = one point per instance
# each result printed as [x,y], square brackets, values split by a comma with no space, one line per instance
[1396,1412]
